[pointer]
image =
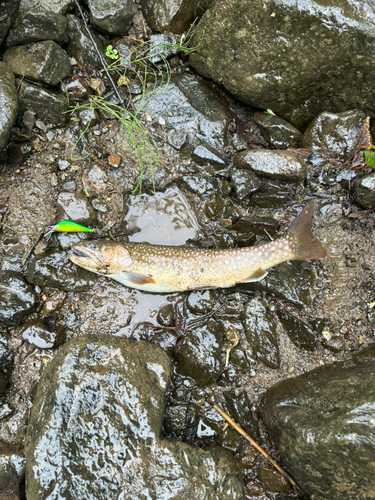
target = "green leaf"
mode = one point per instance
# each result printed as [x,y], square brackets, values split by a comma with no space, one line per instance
[370,158]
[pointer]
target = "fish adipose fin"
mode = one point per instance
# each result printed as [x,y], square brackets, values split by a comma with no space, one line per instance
[257,276]
[138,279]
[306,246]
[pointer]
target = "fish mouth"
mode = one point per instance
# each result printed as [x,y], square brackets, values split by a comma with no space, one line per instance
[76,251]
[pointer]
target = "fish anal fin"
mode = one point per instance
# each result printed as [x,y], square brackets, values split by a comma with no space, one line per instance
[258,275]
[138,279]
[201,287]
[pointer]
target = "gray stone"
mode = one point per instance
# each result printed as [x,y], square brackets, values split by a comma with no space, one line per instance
[191,105]
[160,45]
[38,25]
[300,333]
[290,57]
[12,470]
[101,403]
[168,15]
[44,62]
[17,298]
[41,334]
[28,119]
[76,207]
[201,301]
[270,197]
[54,269]
[47,106]
[322,424]
[244,182]
[276,165]
[260,225]
[261,333]
[335,135]
[204,155]
[80,46]
[8,13]
[199,354]
[364,190]
[111,17]
[278,132]
[8,103]
[56,6]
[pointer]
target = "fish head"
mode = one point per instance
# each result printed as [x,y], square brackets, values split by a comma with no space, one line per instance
[101,257]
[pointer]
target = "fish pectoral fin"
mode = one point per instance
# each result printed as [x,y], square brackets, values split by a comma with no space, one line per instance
[139,279]
[201,287]
[257,276]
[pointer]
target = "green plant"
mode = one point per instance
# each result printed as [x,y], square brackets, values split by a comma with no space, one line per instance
[111,52]
[153,78]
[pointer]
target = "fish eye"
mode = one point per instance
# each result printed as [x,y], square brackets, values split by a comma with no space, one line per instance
[93,246]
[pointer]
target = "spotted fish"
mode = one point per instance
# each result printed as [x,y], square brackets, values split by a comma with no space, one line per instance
[166,269]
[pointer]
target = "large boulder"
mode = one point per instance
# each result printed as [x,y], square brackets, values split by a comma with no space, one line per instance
[298,59]
[8,103]
[95,430]
[323,425]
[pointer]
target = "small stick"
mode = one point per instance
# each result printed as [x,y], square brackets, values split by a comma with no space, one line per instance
[257,447]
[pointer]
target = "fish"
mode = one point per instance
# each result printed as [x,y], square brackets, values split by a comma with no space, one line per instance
[168,269]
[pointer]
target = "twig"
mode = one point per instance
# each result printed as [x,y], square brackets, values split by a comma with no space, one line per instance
[257,447]
[99,53]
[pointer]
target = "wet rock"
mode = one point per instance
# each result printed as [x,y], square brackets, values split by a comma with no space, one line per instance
[28,119]
[6,356]
[115,393]
[299,332]
[261,333]
[278,132]
[57,6]
[332,409]
[3,384]
[260,225]
[204,155]
[77,208]
[277,165]
[289,281]
[178,139]
[214,207]
[168,15]
[335,135]
[273,481]
[158,49]
[36,332]
[89,117]
[175,418]
[334,344]
[201,6]
[80,46]
[364,191]
[201,301]
[275,78]
[44,62]
[54,302]
[8,103]
[17,298]
[196,183]
[242,412]
[38,25]
[191,105]
[166,315]
[12,470]
[244,182]
[7,16]
[54,269]
[111,17]
[76,90]
[47,106]
[270,197]
[199,354]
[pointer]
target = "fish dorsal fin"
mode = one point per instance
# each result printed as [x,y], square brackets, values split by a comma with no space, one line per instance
[138,279]
[257,276]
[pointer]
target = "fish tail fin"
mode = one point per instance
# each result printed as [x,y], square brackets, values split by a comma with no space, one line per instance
[306,246]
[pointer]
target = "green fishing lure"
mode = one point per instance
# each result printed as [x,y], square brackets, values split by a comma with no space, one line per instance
[67,226]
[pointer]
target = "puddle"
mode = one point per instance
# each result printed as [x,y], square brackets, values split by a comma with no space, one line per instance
[163,219]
